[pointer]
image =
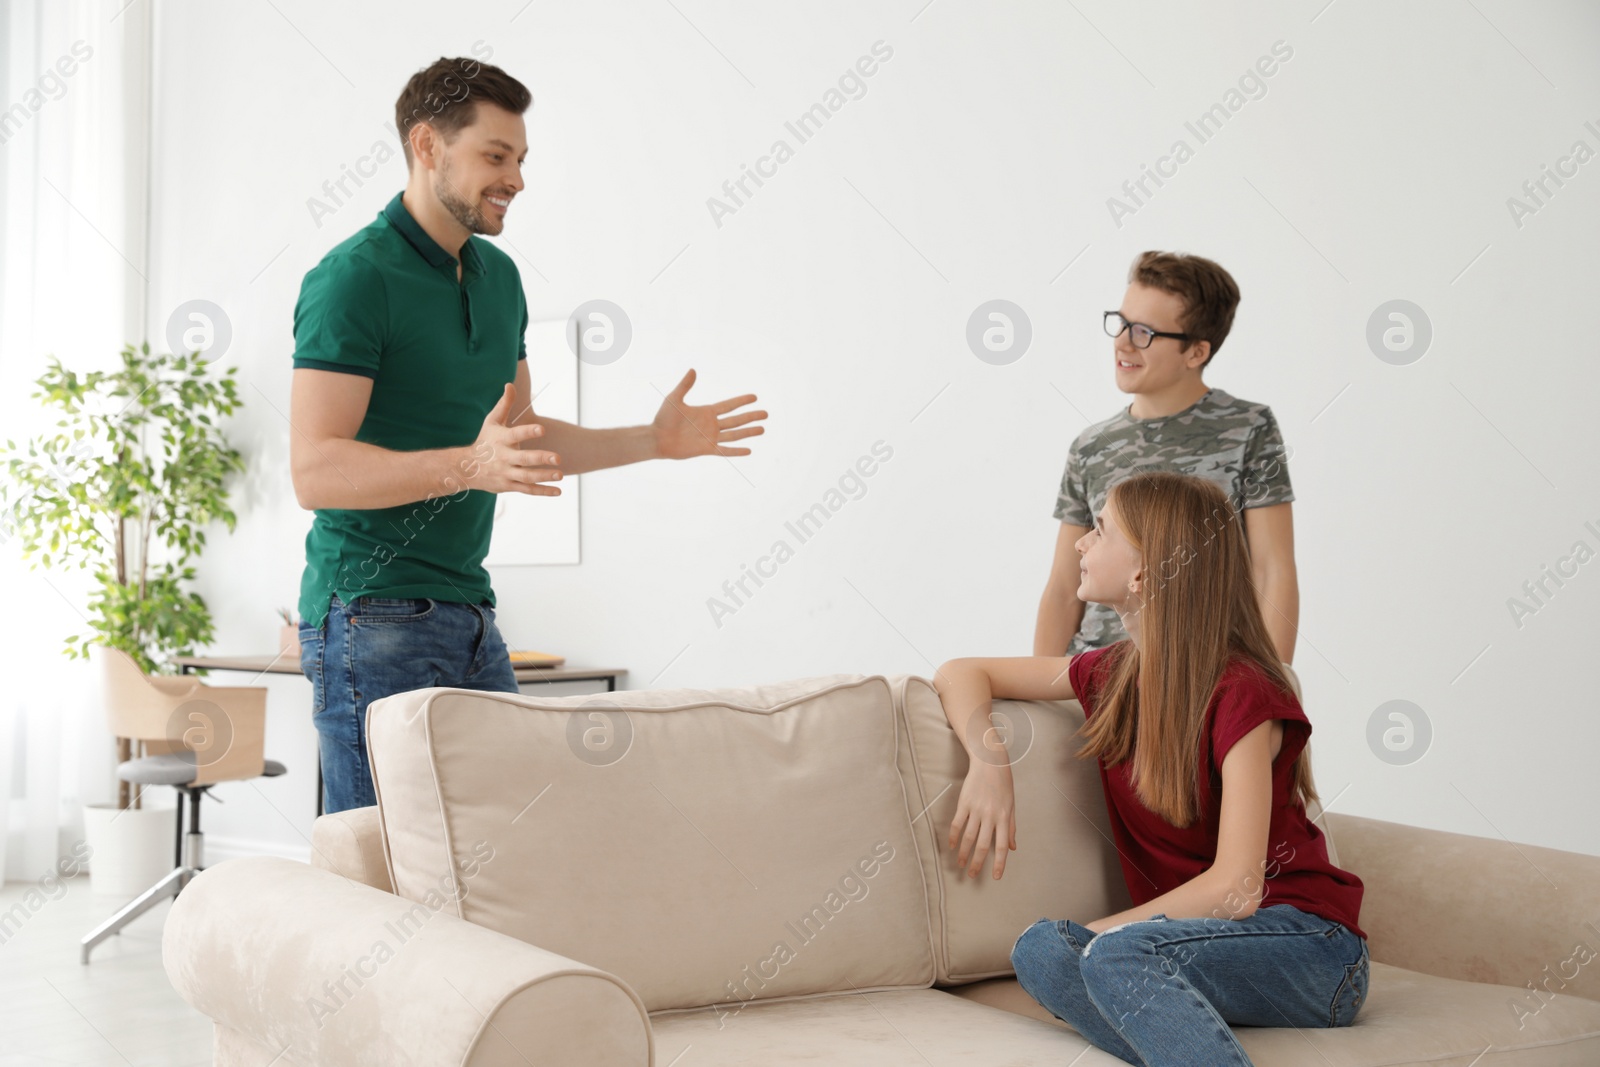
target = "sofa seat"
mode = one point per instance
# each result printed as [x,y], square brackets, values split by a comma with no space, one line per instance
[896,1028]
[1408,1018]
[995,1021]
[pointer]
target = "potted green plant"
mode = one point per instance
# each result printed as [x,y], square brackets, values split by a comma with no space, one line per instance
[125,489]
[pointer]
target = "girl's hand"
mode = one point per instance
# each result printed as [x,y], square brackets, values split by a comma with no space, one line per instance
[986,817]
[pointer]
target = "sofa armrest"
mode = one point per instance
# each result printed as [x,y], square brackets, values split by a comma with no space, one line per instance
[319,969]
[350,843]
[1475,908]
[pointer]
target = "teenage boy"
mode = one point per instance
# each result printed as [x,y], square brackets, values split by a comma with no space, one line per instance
[411,407]
[1174,317]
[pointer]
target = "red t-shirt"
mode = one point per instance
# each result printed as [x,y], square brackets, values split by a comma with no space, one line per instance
[1158,857]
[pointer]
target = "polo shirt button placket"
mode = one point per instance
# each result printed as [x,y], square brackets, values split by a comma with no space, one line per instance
[466,308]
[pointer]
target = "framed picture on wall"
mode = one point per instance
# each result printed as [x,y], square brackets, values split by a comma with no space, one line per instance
[532,530]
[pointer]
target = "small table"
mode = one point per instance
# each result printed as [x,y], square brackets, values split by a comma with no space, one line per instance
[283,664]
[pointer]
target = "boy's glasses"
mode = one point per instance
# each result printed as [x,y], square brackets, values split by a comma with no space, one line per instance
[1140,334]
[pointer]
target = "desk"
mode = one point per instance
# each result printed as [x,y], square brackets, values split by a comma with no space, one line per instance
[282,664]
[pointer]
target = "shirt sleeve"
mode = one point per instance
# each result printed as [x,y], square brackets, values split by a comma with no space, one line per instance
[522,334]
[1086,681]
[1072,499]
[339,320]
[1248,700]
[1265,478]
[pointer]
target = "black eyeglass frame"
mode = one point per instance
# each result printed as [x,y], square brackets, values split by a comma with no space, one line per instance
[1127,325]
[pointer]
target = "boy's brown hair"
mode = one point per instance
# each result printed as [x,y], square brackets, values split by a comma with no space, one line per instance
[1209,294]
[445,95]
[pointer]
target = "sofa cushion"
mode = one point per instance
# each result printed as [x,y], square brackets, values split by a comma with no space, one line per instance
[351,843]
[1409,1018]
[706,847]
[1065,865]
[901,1028]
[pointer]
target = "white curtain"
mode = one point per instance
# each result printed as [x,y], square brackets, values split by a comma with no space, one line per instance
[75,89]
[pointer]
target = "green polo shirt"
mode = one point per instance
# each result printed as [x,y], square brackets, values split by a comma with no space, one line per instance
[386,305]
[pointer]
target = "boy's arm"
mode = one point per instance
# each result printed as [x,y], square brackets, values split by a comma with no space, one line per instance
[1060,610]
[1270,533]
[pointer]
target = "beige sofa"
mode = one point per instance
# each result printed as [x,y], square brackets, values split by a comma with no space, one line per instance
[760,876]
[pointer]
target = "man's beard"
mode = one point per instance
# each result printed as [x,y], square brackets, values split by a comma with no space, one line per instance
[471,218]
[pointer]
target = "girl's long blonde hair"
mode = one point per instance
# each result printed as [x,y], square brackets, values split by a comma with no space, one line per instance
[1199,612]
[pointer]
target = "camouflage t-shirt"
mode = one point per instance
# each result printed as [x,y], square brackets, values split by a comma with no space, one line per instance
[1232,442]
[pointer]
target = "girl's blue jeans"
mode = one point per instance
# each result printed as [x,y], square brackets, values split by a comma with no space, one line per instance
[1164,991]
[375,647]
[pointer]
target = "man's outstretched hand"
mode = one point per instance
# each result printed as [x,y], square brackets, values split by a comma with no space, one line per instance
[497,463]
[684,430]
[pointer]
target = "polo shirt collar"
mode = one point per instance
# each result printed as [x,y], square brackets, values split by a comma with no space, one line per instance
[402,221]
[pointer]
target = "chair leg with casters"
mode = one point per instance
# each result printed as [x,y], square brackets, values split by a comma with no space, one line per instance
[206,734]
[190,863]
[177,845]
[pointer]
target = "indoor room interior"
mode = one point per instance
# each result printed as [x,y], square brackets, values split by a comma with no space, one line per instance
[686,532]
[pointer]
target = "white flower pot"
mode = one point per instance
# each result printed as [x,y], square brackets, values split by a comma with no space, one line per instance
[130,850]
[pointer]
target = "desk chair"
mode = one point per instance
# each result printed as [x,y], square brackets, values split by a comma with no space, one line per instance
[193,736]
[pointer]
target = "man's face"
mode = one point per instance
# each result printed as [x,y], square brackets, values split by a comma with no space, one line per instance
[479,173]
[1150,370]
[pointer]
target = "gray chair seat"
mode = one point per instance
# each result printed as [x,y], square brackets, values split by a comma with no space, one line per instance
[175,768]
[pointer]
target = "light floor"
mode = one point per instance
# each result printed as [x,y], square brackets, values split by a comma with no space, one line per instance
[119,1010]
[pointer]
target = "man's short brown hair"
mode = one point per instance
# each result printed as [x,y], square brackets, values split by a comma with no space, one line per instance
[1208,292]
[445,95]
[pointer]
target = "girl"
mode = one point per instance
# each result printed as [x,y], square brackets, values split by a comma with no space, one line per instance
[1238,915]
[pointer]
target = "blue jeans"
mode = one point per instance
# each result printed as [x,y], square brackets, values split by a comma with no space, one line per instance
[1163,991]
[375,647]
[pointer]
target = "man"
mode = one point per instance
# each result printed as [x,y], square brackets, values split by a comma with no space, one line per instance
[1176,313]
[411,407]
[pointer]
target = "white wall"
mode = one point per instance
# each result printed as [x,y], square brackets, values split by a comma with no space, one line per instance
[1377,166]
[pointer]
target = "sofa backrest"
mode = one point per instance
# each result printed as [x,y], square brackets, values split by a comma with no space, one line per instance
[709,848]
[350,844]
[1065,865]
[715,847]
